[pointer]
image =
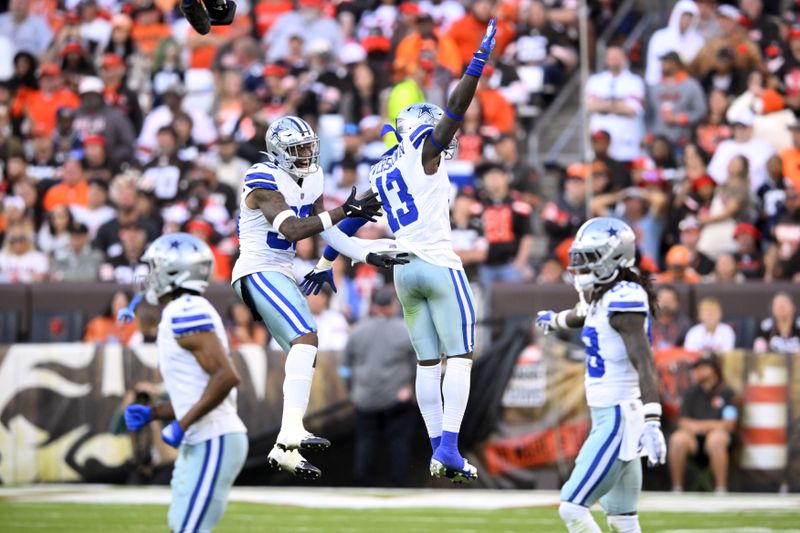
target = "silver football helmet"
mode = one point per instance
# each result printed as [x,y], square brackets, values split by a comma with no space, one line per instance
[177,261]
[601,247]
[293,146]
[417,114]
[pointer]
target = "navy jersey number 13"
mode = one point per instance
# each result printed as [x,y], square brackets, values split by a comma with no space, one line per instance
[403,211]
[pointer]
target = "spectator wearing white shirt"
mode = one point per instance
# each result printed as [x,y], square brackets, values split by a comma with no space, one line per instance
[332,327]
[97,211]
[94,29]
[711,334]
[54,233]
[443,12]
[615,99]
[308,21]
[757,151]
[203,130]
[20,262]
[679,36]
[29,33]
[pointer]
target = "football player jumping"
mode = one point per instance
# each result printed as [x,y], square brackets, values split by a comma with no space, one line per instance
[436,297]
[281,204]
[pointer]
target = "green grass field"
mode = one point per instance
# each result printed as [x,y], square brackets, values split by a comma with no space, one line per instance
[18,517]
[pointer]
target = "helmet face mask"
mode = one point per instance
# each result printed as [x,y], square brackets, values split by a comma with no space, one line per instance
[176,261]
[416,115]
[293,146]
[602,246]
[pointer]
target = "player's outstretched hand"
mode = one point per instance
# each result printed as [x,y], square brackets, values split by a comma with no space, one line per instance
[368,206]
[488,42]
[136,416]
[316,279]
[653,443]
[172,434]
[546,321]
[385,261]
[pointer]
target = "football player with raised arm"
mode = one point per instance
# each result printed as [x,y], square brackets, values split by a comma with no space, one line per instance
[433,289]
[621,379]
[195,362]
[281,204]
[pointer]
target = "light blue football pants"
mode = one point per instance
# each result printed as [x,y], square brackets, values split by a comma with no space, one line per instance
[277,301]
[599,474]
[437,307]
[201,480]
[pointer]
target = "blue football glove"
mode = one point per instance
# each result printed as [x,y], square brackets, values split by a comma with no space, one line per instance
[172,434]
[127,314]
[546,321]
[316,279]
[136,416]
[481,56]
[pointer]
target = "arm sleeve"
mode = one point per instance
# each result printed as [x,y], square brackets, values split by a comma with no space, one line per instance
[349,227]
[344,244]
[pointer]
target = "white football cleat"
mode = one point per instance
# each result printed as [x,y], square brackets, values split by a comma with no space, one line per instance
[301,440]
[291,461]
[467,474]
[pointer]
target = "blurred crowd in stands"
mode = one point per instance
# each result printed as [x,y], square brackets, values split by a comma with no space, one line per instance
[119,123]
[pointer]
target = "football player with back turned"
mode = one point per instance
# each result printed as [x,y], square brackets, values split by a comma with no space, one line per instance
[620,376]
[195,362]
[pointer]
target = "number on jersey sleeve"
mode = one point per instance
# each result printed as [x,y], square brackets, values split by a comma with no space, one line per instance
[594,361]
[276,242]
[397,201]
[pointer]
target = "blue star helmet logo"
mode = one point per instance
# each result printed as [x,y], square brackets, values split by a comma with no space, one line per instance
[278,128]
[174,245]
[612,232]
[425,109]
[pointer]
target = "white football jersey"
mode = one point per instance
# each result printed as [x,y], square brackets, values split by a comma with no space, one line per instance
[417,205]
[261,247]
[610,376]
[183,376]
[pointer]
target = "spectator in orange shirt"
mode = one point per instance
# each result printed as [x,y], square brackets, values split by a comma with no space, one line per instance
[447,53]
[148,29]
[464,30]
[498,113]
[791,158]
[73,189]
[41,105]
[678,270]
[266,12]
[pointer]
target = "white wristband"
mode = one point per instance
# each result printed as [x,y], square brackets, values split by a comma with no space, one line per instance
[324,263]
[652,410]
[280,218]
[325,217]
[561,320]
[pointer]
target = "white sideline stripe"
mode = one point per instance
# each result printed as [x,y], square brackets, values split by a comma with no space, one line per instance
[398,498]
